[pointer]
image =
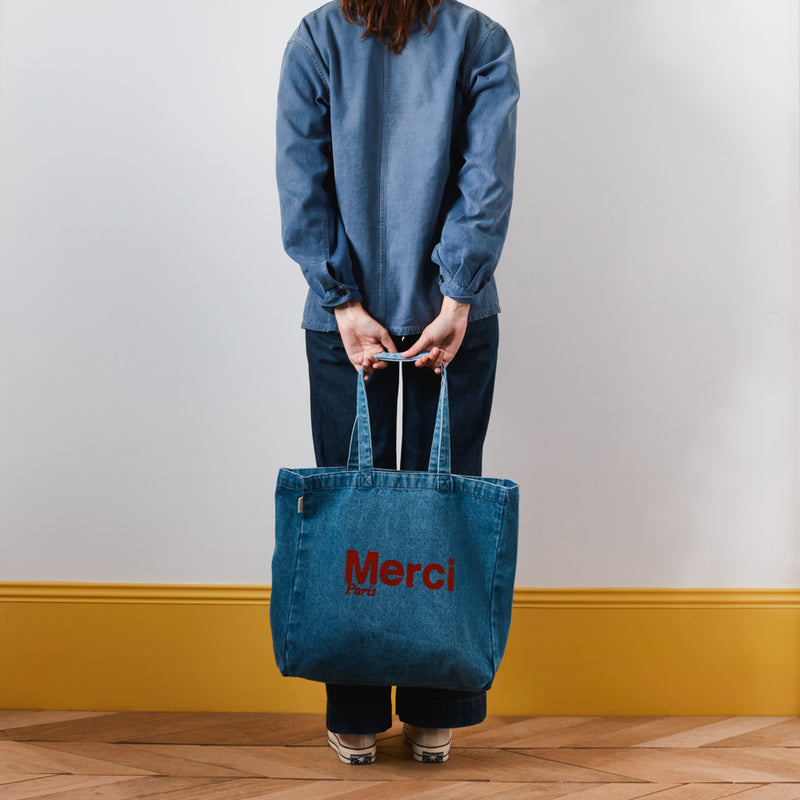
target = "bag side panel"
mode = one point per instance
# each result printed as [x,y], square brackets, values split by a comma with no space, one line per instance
[288,528]
[504,574]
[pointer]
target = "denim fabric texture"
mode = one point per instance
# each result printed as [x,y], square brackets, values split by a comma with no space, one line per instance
[393,577]
[395,172]
[470,378]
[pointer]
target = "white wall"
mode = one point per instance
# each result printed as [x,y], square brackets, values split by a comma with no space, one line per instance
[152,372]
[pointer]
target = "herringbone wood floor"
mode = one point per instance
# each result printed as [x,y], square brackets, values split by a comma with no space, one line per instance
[196,756]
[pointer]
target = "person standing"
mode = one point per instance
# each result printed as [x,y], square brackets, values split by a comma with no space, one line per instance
[396,134]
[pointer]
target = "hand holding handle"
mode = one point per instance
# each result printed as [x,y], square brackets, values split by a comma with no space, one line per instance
[360,456]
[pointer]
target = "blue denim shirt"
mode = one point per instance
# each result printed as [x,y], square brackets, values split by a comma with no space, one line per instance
[395,172]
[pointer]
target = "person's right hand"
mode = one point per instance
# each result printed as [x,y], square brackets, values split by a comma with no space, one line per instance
[442,337]
[362,336]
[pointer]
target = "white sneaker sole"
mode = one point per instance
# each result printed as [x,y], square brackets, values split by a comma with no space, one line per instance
[428,755]
[351,755]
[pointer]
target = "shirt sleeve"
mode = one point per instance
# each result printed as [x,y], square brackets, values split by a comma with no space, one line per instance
[479,201]
[311,227]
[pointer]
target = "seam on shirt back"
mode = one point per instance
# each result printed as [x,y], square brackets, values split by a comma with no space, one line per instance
[382,190]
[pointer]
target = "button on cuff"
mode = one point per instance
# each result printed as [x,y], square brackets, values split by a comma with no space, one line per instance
[340,294]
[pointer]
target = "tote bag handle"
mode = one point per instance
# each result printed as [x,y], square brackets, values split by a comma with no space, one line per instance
[361,438]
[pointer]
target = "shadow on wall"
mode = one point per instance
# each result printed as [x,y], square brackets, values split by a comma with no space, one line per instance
[647,296]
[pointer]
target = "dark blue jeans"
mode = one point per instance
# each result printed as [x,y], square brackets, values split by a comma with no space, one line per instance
[368,709]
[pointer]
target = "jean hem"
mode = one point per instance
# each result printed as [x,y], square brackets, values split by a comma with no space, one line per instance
[355,720]
[459,713]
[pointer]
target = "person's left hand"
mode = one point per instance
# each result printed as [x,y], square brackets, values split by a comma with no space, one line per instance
[442,337]
[362,337]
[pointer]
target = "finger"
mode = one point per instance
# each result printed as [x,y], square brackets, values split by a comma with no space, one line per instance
[369,364]
[420,345]
[429,360]
[375,362]
[388,344]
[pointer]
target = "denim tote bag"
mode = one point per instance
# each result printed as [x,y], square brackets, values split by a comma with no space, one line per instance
[389,577]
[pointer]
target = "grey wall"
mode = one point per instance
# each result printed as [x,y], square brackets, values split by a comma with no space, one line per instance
[152,372]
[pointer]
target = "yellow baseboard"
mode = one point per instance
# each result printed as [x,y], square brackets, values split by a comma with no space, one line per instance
[146,647]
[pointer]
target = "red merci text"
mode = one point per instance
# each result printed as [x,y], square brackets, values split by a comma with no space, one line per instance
[392,573]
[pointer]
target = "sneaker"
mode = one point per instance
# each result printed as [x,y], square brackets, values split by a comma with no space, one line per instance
[356,748]
[429,745]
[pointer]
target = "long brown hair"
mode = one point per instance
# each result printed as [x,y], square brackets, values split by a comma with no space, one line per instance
[390,20]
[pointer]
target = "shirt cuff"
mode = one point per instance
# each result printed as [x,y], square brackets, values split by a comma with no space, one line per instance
[449,288]
[340,294]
